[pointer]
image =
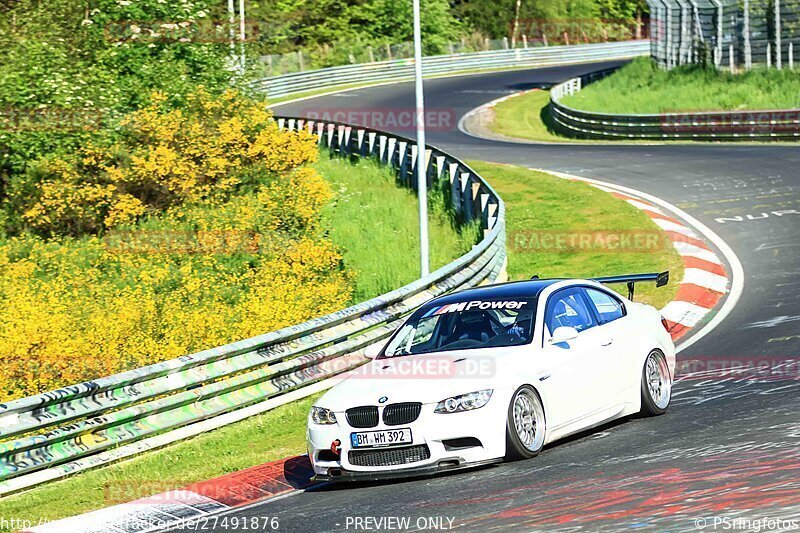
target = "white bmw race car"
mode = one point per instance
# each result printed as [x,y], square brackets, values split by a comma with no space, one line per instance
[494,372]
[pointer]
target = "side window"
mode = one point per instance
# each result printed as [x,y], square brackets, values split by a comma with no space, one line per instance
[568,307]
[608,308]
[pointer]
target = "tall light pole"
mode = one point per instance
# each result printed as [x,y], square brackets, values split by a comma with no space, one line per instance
[422,175]
[242,34]
[232,30]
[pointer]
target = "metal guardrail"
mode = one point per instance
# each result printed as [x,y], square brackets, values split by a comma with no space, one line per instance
[690,125]
[57,431]
[403,69]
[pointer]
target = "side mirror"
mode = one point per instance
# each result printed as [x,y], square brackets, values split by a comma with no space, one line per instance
[372,351]
[563,334]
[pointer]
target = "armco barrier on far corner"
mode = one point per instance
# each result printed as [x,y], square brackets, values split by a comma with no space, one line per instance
[51,435]
[764,125]
[403,69]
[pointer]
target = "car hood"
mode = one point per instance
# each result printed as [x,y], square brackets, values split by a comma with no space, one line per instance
[427,378]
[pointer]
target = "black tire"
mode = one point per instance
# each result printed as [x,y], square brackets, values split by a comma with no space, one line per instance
[515,447]
[655,399]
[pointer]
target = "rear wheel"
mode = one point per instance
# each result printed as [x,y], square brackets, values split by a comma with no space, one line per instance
[525,427]
[656,385]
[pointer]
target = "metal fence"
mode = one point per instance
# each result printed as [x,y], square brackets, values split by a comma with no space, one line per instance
[403,69]
[530,33]
[731,34]
[51,435]
[709,126]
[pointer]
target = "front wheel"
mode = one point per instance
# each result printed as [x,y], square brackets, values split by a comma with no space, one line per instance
[656,385]
[525,427]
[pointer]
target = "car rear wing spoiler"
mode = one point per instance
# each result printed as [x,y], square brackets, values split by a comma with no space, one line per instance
[660,280]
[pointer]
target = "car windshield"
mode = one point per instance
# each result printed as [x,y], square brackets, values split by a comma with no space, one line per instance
[465,325]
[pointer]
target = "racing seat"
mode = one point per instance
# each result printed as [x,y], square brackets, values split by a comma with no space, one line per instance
[472,326]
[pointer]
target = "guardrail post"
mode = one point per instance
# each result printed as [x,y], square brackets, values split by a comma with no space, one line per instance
[402,160]
[791,55]
[331,128]
[439,166]
[382,149]
[320,132]
[348,140]
[430,172]
[467,207]
[371,135]
[390,151]
[476,202]
[361,145]
[281,123]
[455,188]
[484,200]
[412,168]
[491,217]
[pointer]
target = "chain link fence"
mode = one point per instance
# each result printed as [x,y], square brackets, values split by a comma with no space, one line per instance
[532,33]
[730,34]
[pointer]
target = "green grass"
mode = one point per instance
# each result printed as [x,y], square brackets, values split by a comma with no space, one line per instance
[377,227]
[641,87]
[526,116]
[535,210]
[360,220]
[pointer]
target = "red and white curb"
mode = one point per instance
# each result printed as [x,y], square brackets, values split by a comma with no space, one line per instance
[706,279]
[192,503]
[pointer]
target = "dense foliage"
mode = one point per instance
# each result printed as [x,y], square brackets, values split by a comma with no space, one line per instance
[199,226]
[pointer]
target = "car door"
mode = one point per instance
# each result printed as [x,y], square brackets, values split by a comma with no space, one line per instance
[577,371]
[612,318]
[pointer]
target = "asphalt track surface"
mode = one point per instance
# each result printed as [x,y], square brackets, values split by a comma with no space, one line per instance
[729,447]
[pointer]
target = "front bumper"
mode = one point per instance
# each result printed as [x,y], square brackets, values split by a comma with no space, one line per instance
[339,475]
[434,431]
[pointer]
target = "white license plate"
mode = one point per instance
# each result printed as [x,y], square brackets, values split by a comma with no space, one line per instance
[387,437]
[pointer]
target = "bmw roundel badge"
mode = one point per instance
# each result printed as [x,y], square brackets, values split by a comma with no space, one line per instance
[383,399]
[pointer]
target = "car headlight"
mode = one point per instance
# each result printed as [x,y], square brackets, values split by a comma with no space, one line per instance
[320,415]
[464,402]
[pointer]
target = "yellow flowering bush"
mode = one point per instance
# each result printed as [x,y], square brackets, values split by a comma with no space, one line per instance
[74,311]
[195,227]
[211,149]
